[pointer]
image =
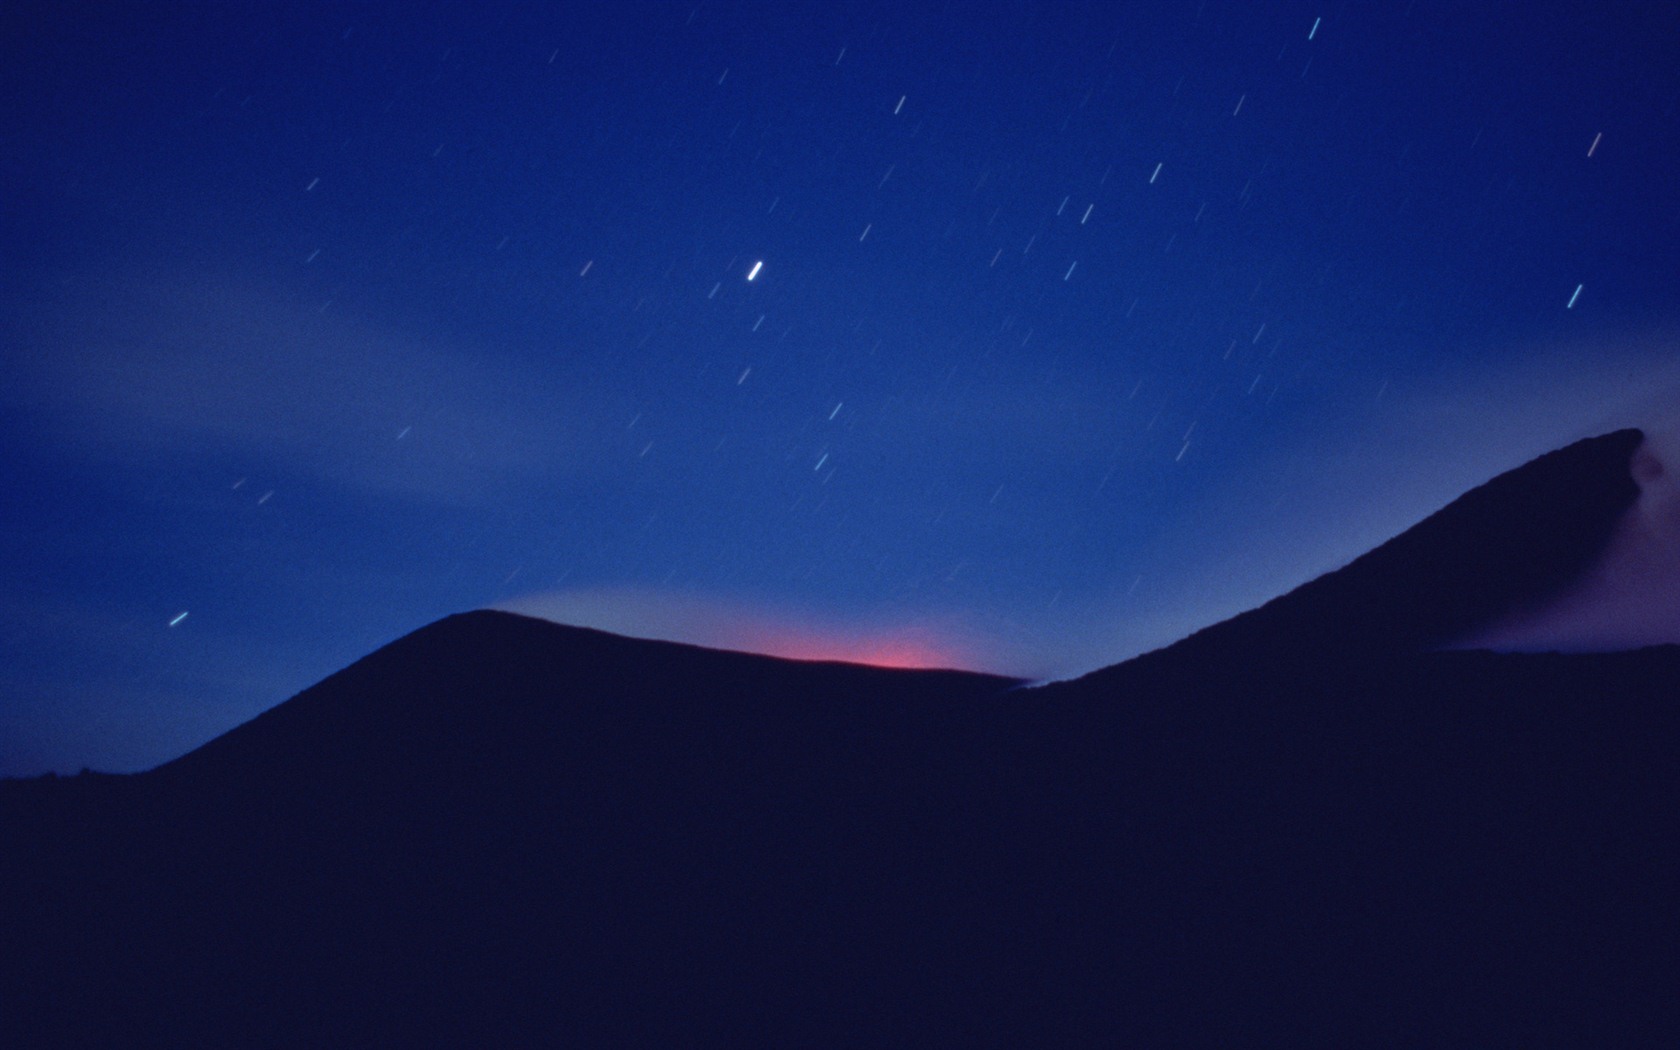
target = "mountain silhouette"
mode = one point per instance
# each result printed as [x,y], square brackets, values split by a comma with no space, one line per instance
[1306,826]
[1499,550]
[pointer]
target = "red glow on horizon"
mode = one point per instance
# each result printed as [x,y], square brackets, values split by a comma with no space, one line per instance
[786,632]
[903,652]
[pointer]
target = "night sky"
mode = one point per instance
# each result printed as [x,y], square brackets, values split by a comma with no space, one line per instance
[1015,336]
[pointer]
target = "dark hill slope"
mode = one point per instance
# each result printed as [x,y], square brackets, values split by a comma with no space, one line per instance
[491,690]
[1456,848]
[1296,828]
[493,825]
[1452,848]
[1503,547]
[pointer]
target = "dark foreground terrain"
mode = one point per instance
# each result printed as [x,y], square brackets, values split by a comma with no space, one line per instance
[1303,827]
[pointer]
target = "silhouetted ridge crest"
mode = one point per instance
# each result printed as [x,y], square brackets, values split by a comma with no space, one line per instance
[499,683]
[498,828]
[1502,547]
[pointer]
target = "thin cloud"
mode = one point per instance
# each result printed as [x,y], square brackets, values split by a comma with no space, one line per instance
[180,364]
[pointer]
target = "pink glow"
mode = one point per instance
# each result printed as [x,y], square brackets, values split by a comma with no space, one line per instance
[790,633]
[885,650]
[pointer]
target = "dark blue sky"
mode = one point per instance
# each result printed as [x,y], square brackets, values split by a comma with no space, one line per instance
[1076,328]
